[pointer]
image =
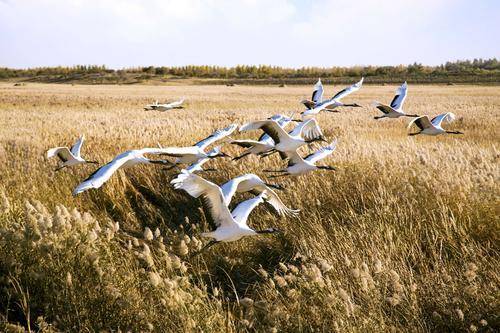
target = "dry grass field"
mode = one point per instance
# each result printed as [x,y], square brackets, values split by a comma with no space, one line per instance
[404,236]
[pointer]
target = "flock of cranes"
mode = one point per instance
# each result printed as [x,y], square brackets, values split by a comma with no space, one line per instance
[232,225]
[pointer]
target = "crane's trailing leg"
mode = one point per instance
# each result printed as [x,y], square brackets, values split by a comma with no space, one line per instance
[208,245]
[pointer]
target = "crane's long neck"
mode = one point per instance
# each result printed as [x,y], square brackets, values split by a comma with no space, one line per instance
[326,167]
[267,231]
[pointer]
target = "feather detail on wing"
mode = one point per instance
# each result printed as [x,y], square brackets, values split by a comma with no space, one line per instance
[75,150]
[322,153]
[217,135]
[210,194]
[349,90]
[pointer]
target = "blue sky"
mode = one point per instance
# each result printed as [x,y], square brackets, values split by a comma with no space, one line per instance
[291,33]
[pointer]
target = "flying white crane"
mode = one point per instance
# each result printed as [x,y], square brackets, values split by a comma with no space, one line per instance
[165,106]
[307,131]
[265,143]
[395,110]
[231,226]
[124,160]
[433,127]
[190,155]
[298,166]
[332,103]
[255,185]
[317,96]
[69,157]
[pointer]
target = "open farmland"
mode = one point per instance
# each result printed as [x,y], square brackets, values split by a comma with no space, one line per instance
[403,236]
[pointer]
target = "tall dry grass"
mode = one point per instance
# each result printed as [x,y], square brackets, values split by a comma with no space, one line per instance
[403,237]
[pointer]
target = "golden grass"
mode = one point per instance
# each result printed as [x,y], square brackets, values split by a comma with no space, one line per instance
[404,236]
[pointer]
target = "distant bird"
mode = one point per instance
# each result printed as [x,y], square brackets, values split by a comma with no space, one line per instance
[299,166]
[190,155]
[307,131]
[124,160]
[69,157]
[231,226]
[265,143]
[395,110]
[255,185]
[165,106]
[433,127]
[329,104]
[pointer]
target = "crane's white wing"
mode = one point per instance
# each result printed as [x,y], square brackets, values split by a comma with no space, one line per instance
[282,121]
[399,99]
[308,129]
[177,151]
[317,95]
[217,135]
[75,150]
[241,212]
[437,120]
[210,194]
[175,104]
[252,143]
[422,122]
[229,188]
[274,200]
[156,151]
[198,166]
[62,152]
[349,90]
[270,127]
[101,175]
[322,153]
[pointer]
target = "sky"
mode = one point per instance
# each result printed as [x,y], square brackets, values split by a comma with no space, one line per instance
[289,33]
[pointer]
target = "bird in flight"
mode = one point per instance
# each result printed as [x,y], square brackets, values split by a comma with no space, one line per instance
[69,157]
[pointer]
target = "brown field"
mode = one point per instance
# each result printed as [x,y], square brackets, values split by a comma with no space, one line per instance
[403,237]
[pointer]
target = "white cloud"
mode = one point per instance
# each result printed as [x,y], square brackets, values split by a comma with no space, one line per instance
[282,32]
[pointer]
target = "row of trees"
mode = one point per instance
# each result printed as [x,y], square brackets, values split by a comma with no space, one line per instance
[462,67]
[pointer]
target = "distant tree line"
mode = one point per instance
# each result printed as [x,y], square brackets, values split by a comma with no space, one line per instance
[482,67]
